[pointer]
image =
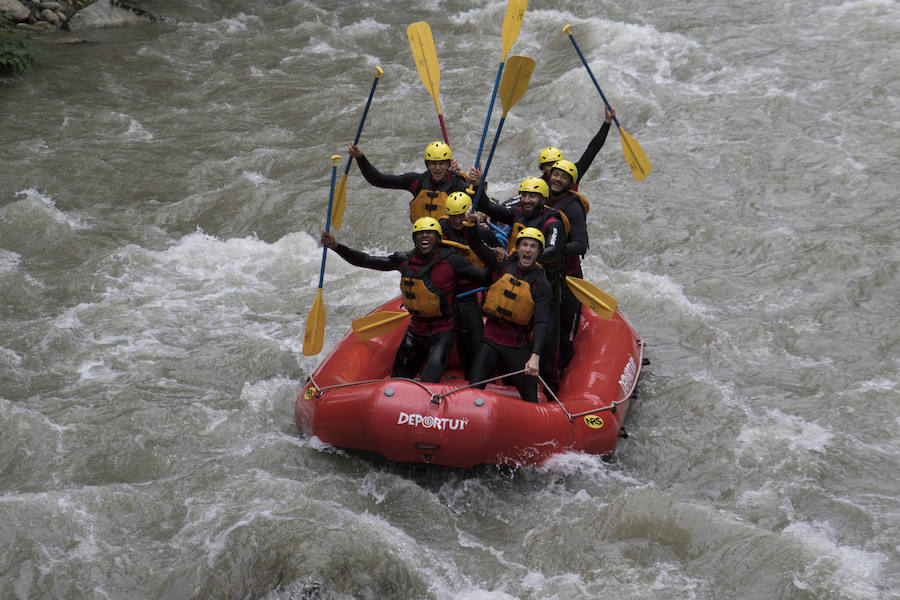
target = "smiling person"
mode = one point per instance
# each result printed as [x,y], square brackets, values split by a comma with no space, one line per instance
[429,189]
[563,175]
[516,309]
[532,211]
[469,324]
[428,284]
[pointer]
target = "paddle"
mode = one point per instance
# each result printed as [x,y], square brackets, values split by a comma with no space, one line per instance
[593,297]
[512,23]
[340,192]
[634,154]
[379,323]
[422,45]
[314,336]
[512,88]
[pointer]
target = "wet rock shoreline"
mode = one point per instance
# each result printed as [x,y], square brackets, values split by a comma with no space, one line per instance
[48,15]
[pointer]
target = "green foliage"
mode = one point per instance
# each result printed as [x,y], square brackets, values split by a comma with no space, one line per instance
[14,54]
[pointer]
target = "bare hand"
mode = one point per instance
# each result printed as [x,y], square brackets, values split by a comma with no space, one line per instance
[475,176]
[454,166]
[609,114]
[475,217]
[533,364]
[354,151]
[328,240]
[501,253]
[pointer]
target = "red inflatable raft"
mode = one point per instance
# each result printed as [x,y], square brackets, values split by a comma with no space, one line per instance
[351,402]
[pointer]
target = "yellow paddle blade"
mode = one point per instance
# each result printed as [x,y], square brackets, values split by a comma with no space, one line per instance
[515,80]
[634,155]
[512,23]
[379,323]
[422,45]
[314,336]
[593,297]
[340,203]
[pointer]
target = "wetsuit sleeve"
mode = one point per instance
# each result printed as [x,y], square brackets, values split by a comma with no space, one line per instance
[383,180]
[487,256]
[358,258]
[463,268]
[578,239]
[497,212]
[555,242]
[486,235]
[591,151]
[543,294]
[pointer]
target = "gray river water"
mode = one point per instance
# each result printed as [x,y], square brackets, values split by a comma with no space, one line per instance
[161,193]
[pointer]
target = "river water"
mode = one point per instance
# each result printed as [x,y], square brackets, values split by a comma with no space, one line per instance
[161,196]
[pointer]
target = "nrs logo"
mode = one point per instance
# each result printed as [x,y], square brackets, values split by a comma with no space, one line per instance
[593,421]
[416,420]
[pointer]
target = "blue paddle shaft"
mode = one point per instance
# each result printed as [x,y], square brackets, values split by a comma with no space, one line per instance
[487,119]
[487,165]
[594,79]
[361,122]
[470,292]
[328,223]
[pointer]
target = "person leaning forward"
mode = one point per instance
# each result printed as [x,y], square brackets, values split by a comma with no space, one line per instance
[428,282]
[469,324]
[516,308]
[429,189]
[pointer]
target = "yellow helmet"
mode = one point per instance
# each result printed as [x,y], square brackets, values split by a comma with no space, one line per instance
[567,166]
[531,232]
[438,151]
[427,224]
[549,154]
[458,203]
[535,184]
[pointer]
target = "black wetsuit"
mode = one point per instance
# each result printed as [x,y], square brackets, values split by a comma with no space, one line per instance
[508,344]
[428,340]
[469,324]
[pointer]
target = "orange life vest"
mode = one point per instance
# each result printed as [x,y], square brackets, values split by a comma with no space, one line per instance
[510,299]
[429,200]
[420,297]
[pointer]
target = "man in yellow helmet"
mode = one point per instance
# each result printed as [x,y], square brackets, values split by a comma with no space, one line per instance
[428,284]
[550,154]
[517,311]
[533,211]
[469,324]
[563,175]
[429,189]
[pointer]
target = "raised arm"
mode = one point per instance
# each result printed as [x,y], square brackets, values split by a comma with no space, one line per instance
[358,258]
[595,144]
[376,177]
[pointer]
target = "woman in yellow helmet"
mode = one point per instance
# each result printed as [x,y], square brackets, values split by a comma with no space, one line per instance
[429,189]
[428,282]
[517,311]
